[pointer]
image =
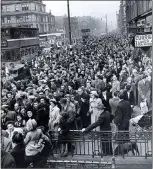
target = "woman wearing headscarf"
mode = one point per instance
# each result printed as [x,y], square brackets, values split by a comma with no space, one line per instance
[95,108]
[34,143]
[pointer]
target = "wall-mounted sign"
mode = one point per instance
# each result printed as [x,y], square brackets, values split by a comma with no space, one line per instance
[143,40]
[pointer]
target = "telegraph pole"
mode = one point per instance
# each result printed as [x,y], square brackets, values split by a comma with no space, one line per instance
[106,24]
[69,22]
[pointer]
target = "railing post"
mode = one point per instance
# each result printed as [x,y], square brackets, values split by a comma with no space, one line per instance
[113,162]
[113,147]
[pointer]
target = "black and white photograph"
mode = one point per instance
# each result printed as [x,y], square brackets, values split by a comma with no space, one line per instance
[76,84]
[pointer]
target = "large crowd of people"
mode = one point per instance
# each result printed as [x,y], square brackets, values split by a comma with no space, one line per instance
[84,87]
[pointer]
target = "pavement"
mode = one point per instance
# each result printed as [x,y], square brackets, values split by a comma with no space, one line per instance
[138,166]
[127,163]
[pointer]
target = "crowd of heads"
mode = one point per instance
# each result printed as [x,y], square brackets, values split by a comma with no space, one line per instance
[59,77]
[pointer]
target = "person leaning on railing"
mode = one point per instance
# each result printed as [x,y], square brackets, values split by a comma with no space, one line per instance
[104,121]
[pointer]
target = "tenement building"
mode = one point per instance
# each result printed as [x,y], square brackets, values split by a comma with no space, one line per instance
[31,13]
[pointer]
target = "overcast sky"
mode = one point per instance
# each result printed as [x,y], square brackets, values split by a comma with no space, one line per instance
[84,8]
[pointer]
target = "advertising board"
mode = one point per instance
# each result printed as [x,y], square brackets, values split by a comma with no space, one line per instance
[143,40]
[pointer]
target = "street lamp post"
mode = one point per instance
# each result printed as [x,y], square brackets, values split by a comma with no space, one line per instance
[68,10]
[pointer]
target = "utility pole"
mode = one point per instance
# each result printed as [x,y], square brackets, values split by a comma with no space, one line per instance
[106,24]
[69,22]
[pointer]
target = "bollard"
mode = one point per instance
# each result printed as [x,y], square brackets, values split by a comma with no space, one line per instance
[113,163]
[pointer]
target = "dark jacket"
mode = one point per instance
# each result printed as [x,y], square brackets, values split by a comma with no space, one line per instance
[123,115]
[3,123]
[7,161]
[18,152]
[63,124]
[131,98]
[11,104]
[103,121]
[43,115]
[84,108]
[106,101]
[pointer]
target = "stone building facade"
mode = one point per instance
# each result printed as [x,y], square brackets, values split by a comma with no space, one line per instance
[23,13]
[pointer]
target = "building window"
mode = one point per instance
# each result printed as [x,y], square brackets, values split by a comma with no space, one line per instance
[7,9]
[3,8]
[19,19]
[41,18]
[35,7]
[27,17]
[37,25]
[8,20]
[41,8]
[16,8]
[25,7]
[2,20]
[36,18]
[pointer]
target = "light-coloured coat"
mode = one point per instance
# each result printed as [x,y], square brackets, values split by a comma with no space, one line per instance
[113,104]
[54,116]
[115,87]
[95,109]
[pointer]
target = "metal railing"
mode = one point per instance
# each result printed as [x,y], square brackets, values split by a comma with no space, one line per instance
[98,145]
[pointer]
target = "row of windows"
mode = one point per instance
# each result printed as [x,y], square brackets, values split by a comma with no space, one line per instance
[26,18]
[22,7]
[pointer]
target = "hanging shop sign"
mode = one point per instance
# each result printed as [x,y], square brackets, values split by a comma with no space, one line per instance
[143,40]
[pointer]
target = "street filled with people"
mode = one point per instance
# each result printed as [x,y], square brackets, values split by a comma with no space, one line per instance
[94,85]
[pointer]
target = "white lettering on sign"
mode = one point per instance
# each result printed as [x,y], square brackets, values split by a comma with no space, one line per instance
[143,40]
